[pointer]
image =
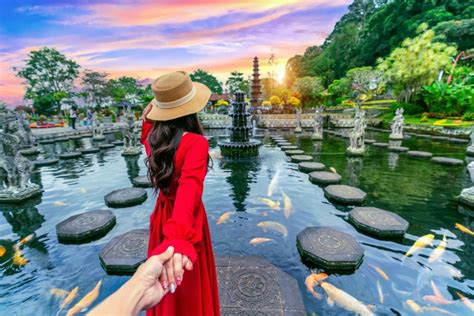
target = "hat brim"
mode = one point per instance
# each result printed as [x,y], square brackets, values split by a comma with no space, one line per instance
[195,105]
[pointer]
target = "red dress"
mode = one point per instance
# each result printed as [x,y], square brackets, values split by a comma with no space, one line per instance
[180,220]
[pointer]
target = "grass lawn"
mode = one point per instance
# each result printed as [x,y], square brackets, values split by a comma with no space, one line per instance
[415,119]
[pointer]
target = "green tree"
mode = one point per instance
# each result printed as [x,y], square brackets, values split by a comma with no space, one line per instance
[49,79]
[207,79]
[236,82]
[310,88]
[416,63]
[94,87]
[293,70]
[123,89]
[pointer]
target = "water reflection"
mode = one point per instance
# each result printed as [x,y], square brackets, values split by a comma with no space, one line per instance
[133,170]
[24,218]
[240,176]
[393,160]
[354,170]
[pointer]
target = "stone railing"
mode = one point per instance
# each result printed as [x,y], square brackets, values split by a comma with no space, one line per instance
[215,120]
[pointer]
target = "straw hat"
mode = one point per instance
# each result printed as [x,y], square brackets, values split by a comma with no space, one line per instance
[176,96]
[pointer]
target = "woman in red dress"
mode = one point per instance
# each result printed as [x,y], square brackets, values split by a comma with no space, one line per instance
[177,164]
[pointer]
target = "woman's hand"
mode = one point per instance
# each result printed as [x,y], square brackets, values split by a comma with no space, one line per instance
[173,271]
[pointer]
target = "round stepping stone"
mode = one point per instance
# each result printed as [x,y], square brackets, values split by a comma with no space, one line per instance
[300,158]
[98,138]
[289,147]
[46,141]
[447,161]
[85,227]
[125,197]
[106,146]
[459,140]
[284,144]
[45,162]
[308,166]
[250,285]
[398,148]
[369,141]
[440,137]
[378,222]
[344,194]
[70,155]
[294,152]
[62,139]
[419,154]
[89,150]
[124,253]
[142,182]
[324,177]
[75,137]
[467,197]
[29,151]
[380,144]
[470,151]
[118,143]
[329,248]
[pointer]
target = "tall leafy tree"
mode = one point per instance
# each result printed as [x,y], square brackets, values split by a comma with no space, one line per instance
[207,79]
[310,88]
[124,89]
[94,87]
[416,63]
[236,82]
[49,79]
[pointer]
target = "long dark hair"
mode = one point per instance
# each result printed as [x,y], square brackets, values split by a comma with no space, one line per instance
[164,139]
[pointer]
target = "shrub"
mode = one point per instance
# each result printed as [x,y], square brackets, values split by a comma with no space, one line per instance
[408,108]
[467,116]
[424,118]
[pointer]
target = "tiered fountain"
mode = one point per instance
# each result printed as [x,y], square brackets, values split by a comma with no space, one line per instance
[239,145]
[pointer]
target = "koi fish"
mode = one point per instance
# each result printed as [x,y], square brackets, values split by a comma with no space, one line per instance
[224,218]
[69,298]
[59,203]
[437,300]
[418,309]
[269,225]
[86,301]
[466,301]
[422,242]
[333,170]
[26,240]
[345,300]
[414,306]
[380,272]
[312,280]
[379,291]
[437,309]
[2,250]
[287,205]
[436,291]
[464,229]
[18,258]
[58,292]
[455,273]
[273,184]
[259,240]
[271,204]
[438,252]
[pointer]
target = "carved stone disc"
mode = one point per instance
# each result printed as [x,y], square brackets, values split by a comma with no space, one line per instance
[378,222]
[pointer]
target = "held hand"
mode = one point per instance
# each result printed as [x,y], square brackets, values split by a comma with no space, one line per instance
[147,277]
[173,271]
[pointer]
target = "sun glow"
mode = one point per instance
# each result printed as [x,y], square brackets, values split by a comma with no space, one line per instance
[280,75]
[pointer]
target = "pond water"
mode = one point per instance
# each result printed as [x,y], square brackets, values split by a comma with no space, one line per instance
[418,190]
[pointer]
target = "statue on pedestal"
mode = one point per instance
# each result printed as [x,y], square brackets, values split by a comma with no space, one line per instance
[27,140]
[131,146]
[318,124]
[15,170]
[397,125]
[97,129]
[298,128]
[356,136]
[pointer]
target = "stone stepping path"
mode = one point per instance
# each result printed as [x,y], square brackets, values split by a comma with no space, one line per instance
[85,227]
[89,150]
[75,137]
[45,162]
[378,222]
[324,177]
[250,285]
[369,141]
[459,140]
[281,144]
[289,147]
[344,194]
[398,149]
[142,182]
[447,161]
[329,248]
[125,197]
[308,166]
[124,253]
[380,144]
[29,151]
[294,152]
[62,139]
[70,155]
[98,138]
[46,141]
[106,146]
[118,143]
[419,154]
[300,158]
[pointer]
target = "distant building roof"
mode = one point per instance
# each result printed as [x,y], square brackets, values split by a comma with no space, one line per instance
[217,97]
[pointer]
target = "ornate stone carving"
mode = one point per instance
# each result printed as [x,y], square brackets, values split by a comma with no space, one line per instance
[397,125]
[298,128]
[97,129]
[131,146]
[356,136]
[318,124]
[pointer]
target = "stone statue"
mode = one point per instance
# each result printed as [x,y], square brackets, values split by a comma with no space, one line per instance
[470,149]
[16,169]
[131,146]
[298,128]
[318,124]
[97,129]
[397,125]
[356,136]
[27,140]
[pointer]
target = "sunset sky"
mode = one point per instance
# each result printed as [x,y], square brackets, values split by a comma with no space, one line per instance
[144,38]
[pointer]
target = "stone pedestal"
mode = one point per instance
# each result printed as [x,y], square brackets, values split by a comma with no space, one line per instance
[131,151]
[355,151]
[395,136]
[16,196]
[467,197]
[470,151]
